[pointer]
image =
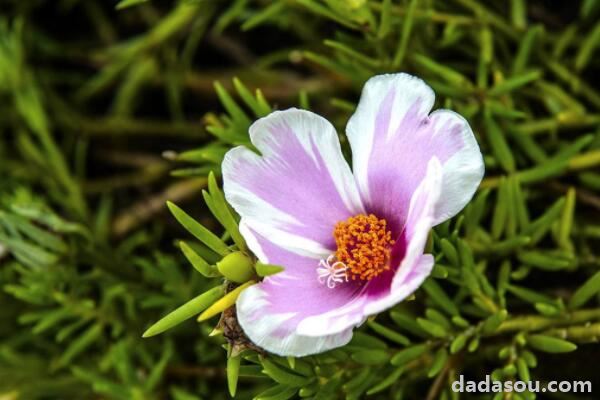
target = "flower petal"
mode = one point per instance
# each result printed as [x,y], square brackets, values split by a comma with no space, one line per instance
[269,312]
[393,138]
[299,188]
[276,332]
[414,268]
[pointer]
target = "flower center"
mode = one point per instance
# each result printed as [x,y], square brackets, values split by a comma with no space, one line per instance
[364,245]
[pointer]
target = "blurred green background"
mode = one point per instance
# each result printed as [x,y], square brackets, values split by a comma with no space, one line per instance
[109,109]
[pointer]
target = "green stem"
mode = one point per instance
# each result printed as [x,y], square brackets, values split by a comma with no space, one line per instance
[581,333]
[536,322]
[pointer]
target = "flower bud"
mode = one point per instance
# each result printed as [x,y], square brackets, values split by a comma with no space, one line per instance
[236,267]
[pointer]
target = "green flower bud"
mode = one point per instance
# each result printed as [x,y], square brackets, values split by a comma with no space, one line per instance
[237,267]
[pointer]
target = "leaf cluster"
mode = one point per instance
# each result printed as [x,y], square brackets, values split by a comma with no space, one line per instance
[106,121]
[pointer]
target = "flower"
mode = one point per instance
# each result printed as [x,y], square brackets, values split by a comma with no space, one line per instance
[351,242]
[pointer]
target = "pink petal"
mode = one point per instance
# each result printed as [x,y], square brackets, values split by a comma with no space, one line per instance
[415,266]
[270,311]
[393,138]
[298,189]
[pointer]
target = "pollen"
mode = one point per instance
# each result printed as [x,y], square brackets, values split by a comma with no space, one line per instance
[364,245]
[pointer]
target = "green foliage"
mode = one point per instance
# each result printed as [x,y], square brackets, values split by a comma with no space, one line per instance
[112,109]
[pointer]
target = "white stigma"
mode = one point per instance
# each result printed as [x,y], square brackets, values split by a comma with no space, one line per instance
[331,272]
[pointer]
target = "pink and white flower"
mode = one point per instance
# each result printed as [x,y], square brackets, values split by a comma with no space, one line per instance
[351,241]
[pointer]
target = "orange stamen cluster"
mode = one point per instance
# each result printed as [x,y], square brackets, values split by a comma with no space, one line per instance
[363,245]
